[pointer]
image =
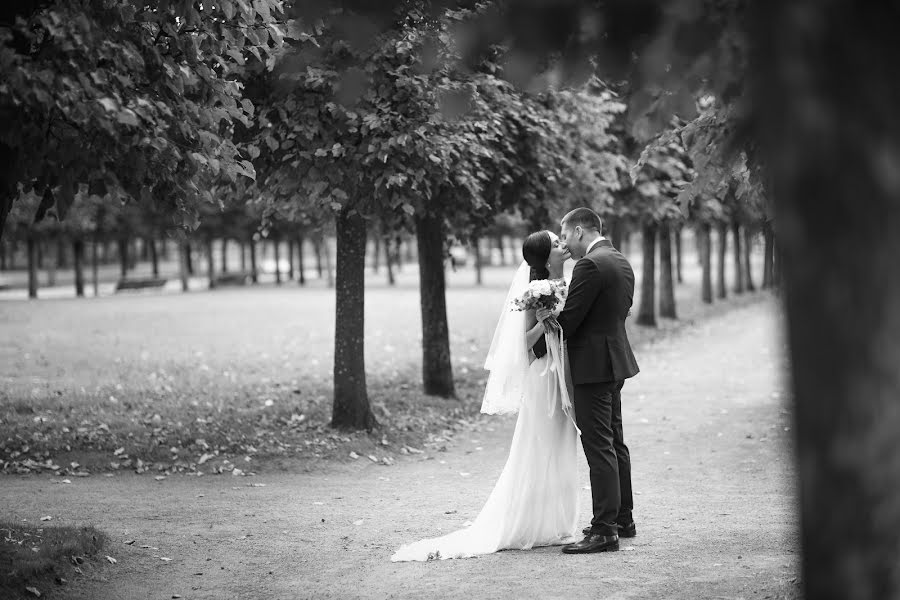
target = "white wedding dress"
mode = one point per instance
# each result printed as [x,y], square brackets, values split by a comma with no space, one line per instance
[535,500]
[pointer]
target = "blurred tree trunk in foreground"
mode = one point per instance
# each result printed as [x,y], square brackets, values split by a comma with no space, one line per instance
[837,192]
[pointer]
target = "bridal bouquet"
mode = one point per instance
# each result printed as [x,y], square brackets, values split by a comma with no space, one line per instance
[551,294]
[541,293]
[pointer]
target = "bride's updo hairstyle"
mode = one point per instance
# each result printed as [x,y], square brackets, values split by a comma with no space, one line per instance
[536,251]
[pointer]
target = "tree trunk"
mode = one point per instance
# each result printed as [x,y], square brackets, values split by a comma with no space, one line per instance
[376,253]
[105,254]
[351,408]
[839,207]
[210,264]
[499,242]
[647,309]
[32,266]
[123,257]
[410,251]
[301,260]
[164,249]
[437,370]
[184,252]
[95,266]
[40,254]
[61,259]
[224,262]
[615,232]
[677,236]
[254,274]
[3,255]
[277,246]
[291,252]
[243,247]
[747,270]
[51,268]
[78,264]
[326,254]
[666,284]
[154,256]
[476,246]
[317,252]
[722,251]
[704,235]
[7,198]
[738,258]
[388,260]
[189,257]
[768,256]
[132,253]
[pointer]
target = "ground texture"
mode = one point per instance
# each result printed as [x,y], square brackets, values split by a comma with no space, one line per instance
[709,432]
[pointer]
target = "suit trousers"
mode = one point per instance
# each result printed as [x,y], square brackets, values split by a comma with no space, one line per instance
[598,411]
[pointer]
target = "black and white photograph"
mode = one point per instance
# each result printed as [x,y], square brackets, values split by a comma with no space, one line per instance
[476,299]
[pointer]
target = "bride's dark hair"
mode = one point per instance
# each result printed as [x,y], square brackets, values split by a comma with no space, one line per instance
[536,251]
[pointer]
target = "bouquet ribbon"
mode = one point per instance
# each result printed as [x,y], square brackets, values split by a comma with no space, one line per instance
[557,353]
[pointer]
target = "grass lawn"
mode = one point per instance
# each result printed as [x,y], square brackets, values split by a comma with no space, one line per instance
[35,561]
[239,380]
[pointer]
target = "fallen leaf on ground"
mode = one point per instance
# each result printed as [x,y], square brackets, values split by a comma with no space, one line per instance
[360,522]
[159,477]
[464,474]
[129,542]
[33,590]
[164,558]
[47,518]
[373,459]
[111,560]
[354,455]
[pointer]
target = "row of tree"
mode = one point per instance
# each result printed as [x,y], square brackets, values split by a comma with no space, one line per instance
[242,117]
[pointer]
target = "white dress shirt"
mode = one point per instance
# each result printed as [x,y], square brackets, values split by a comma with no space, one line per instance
[592,244]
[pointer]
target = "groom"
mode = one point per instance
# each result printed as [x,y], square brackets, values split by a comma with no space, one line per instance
[600,358]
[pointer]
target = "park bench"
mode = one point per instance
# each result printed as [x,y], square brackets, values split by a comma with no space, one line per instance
[236,278]
[140,283]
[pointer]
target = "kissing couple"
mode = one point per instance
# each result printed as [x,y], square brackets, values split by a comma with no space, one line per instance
[535,501]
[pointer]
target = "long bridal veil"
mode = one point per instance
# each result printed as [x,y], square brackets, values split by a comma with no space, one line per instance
[507,358]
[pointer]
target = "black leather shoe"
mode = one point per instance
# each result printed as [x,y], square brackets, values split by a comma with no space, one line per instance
[625,531]
[593,543]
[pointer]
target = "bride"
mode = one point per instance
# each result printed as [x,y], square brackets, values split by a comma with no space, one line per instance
[535,500]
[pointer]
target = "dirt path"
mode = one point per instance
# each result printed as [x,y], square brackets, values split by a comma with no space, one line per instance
[712,473]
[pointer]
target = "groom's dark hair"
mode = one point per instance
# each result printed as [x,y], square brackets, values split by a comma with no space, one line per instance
[584,217]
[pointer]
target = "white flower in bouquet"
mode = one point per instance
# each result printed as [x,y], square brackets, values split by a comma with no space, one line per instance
[541,293]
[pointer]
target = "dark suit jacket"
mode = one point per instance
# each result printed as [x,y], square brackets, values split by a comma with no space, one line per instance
[593,320]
